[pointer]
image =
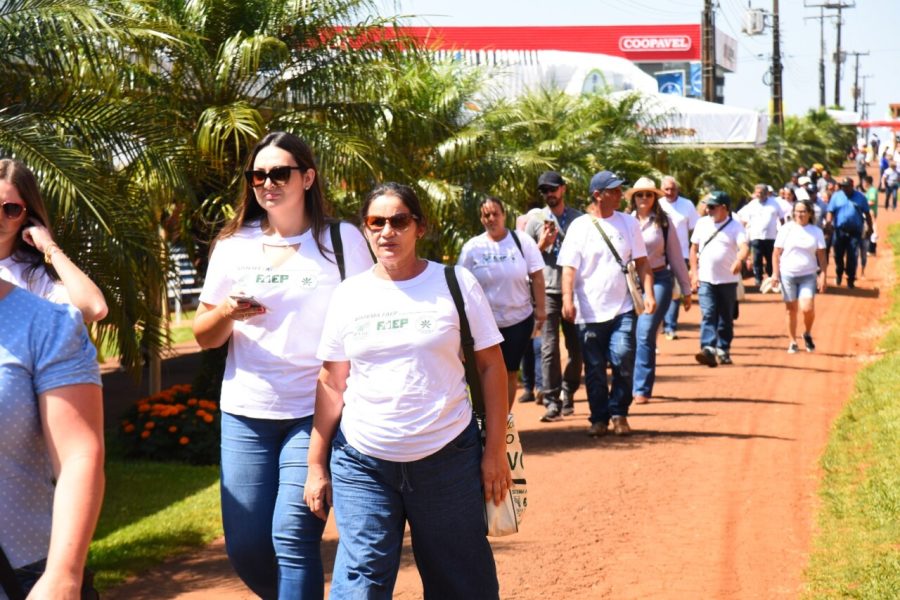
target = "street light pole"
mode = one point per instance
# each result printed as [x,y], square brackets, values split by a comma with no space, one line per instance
[777,108]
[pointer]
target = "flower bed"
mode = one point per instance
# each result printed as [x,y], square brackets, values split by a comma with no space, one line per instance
[173,425]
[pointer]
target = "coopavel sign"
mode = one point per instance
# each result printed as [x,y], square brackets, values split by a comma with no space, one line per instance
[654,43]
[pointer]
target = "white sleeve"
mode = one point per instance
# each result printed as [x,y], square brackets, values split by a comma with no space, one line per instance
[465,255]
[820,238]
[638,247]
[331,342]
[478,311]
[357,257]
[218,282]
[570,249]
[782,233]
[692,215]
[533,259]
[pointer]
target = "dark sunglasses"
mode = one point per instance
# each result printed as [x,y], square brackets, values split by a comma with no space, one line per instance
[13,210]
[546,189]
[399,222]
[279,176]
[644,195]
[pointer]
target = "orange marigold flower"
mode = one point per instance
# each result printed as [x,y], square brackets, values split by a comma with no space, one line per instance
[172,429]
[128,428]
[145,434]
[149,425]
[200,413]
[184,440]
[143,407]
[192,402]
[207,418]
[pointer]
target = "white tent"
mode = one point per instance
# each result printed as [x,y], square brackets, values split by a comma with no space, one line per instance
[678,121]
[513,73]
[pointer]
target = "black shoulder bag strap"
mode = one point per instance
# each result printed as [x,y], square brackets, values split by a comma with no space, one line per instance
[8,580]
[715,233]
[611,247]
[515,238]
[468,343]
[338,246]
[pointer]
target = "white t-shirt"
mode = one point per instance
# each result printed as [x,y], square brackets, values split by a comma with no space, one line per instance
[786,207]
[502,272]
[799,245]
[38,282]
[601,292]
[761,219]
[685,209]
[716,258]
[406,393]
[271,370]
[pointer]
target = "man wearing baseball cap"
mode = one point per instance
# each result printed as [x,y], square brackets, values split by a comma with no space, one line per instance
[549,231]
[848,213]
[596,297]
[718,249]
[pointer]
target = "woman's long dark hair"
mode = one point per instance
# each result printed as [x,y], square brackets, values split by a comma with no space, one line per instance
[16,173]
[314,203]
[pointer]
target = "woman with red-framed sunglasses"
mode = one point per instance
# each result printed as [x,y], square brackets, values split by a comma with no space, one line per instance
[29,258]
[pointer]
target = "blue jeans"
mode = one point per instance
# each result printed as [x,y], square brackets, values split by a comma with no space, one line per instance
[717,314]
[670,321]
[532,377]
[846,254]
[271,537]
[645,335]
[762,249]
[441,498]
[557,379]
[608,342]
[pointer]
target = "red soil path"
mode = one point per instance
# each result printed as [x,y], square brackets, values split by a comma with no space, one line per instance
[714,496]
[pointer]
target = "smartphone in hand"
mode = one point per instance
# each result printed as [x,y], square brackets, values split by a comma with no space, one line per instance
[250,300]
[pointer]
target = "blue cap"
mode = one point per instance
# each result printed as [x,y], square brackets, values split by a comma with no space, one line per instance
[604,180]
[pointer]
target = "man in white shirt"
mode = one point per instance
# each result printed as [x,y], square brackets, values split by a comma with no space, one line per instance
[718,249]
[596,298]
[761,216]
[684,215]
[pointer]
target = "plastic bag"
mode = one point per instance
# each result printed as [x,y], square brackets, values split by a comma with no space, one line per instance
[504,519]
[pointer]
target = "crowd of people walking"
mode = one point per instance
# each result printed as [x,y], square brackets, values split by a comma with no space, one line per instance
[367,412]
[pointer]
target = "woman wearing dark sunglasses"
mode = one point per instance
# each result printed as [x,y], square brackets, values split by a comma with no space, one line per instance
[271,275]
[659,230]
[29,258]
[408,448]
[503,263]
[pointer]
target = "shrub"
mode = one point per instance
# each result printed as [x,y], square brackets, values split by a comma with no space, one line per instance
[172,425]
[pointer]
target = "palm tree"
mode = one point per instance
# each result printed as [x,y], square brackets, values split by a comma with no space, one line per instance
[97,155]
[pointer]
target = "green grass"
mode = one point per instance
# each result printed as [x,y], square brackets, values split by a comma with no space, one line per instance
[152,511]
[857,550]
[180,333]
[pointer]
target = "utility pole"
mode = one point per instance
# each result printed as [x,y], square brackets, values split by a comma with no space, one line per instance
[777,109]
[855,92]
[821,18]
[708,52]
[839,7]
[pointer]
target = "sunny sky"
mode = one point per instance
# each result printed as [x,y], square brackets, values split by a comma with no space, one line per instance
[872,26]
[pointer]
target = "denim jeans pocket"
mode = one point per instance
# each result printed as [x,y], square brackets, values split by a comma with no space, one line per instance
[468,439]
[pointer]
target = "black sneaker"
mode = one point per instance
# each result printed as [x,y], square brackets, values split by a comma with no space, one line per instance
[724,357]
[528,396]
[568,405]
[707,357]
[808,341]
[552,413]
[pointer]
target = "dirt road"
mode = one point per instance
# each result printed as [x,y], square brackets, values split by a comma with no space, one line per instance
[714,495]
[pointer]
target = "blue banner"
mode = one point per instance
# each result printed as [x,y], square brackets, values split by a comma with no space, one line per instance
[671,82]
[696,89]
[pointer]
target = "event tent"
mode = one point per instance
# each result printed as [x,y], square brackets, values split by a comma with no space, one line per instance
[679,121]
